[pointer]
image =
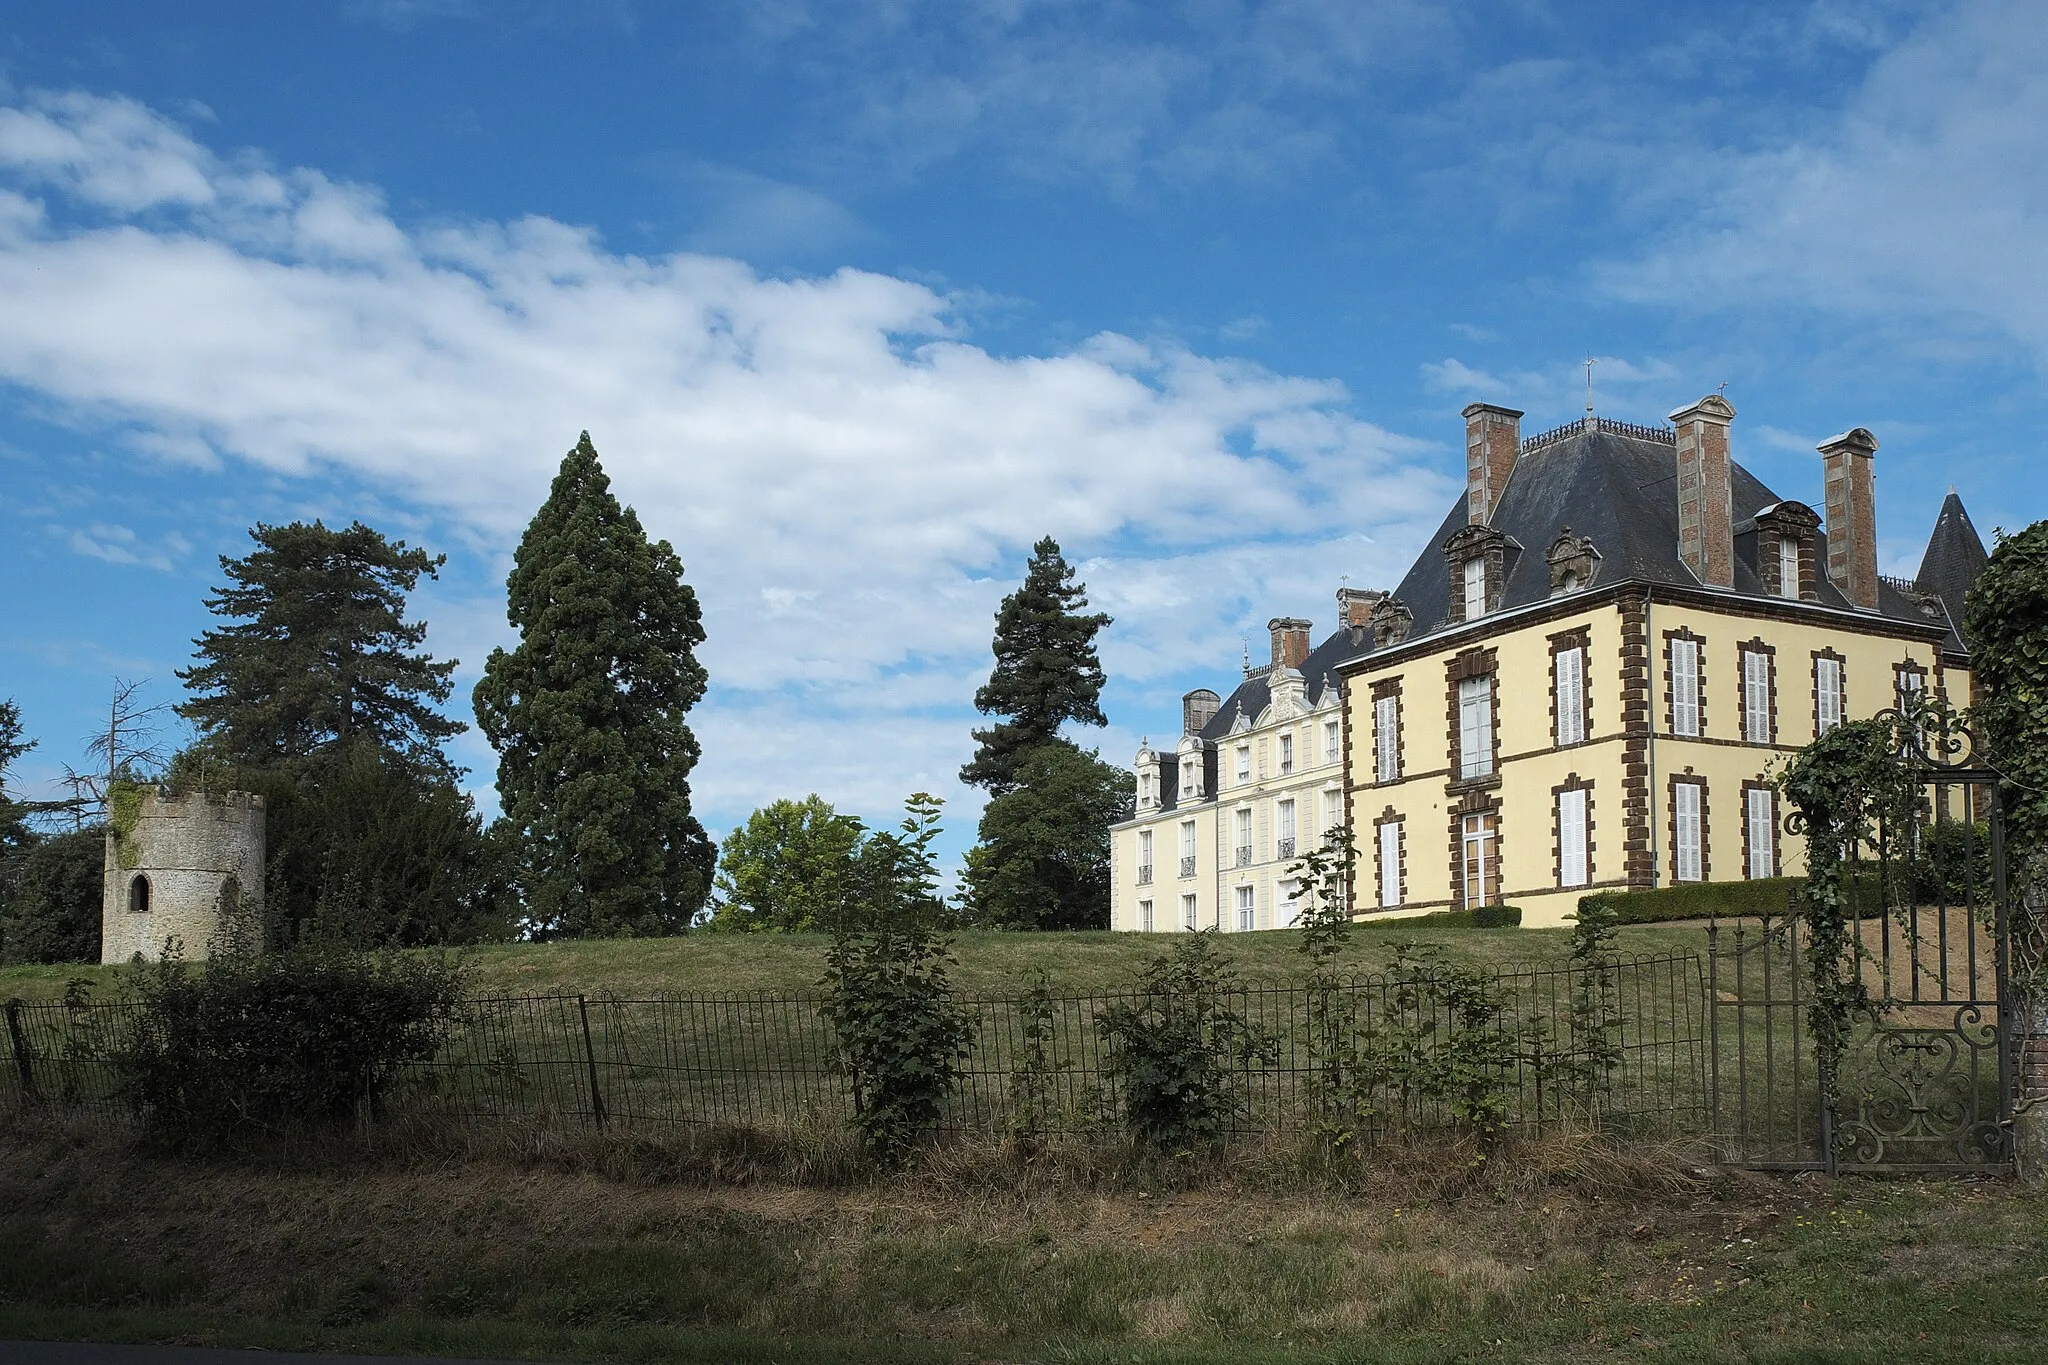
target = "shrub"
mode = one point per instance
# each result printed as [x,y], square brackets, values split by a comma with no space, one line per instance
[1175,1049]
[50,899]
[1478,917]
[304,1038]
[1699,900]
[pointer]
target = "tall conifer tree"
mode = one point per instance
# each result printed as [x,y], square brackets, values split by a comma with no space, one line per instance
[587,715]
[1046,671]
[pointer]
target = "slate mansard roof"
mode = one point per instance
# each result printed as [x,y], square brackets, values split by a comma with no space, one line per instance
[1616,485]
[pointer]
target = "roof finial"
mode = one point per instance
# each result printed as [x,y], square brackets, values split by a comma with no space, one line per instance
[1590,363]
[1722,388]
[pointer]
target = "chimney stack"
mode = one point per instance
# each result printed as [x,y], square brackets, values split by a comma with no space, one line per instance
[1706,516]
[1493,437]
[1290,640]
[1354,605]
[1849,484]
[1197,709]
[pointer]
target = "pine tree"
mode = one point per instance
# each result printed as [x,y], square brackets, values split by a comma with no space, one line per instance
[587,716]
[1046,671]
[320,652]
[1043,858]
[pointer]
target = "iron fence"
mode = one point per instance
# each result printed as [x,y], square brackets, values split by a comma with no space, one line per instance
[770,1061]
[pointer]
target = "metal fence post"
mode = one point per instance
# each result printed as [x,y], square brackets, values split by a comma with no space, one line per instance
[17,1038]
[590,1061]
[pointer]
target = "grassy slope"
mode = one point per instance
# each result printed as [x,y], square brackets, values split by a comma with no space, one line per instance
[1554,1255]
[988,963]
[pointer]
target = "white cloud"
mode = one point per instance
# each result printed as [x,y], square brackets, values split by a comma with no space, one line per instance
[119,545]
[1927,198]
[850,481]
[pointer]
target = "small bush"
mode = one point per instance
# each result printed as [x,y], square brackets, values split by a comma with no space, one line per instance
[299,1039]
[1478,917]
[1176,1048]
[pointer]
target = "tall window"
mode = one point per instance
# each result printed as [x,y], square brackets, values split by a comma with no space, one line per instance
[1763,832]
[1475,726]
[1475,587]
[1333,810]
[1245,905]
[1286,848]
[1187,911]
[1390,864]
[1144,856]
[1145,916]
[1244,838]
[1685,814]
[1788,567]
[1685,687]
[1244,763]
[1287,753]
[1827,695]
[1190,778]
[1386,725]
[1290,904]
[1568,681]
[1480,835]
[1756,696]
[1571,837]
[1187,848]
[1331,741]
[1145,788]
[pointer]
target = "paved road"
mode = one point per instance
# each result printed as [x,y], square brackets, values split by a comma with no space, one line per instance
[95,1353]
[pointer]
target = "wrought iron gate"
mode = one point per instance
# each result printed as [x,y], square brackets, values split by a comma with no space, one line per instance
[1927,1081]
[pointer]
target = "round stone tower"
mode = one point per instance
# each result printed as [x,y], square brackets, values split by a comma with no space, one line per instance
[180,866]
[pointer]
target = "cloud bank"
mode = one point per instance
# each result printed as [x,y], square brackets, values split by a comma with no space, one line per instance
[850,480]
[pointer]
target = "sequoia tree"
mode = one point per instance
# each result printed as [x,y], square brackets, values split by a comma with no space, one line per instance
[1046,671]
[587,715]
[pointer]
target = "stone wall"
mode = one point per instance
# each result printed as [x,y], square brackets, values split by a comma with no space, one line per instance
[181,868]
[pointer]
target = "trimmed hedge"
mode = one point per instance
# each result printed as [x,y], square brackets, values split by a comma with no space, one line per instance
[1480,917]
[1701,900]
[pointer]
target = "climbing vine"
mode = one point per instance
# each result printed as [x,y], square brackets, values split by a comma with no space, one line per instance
[124,812]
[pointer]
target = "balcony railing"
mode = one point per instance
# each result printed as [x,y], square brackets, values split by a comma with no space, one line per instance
[1187,866]
[1244,855]
[1144,874]
[1286,766]
[1284,848]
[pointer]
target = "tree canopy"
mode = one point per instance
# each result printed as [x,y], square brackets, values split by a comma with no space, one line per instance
[1043,858]
[1045,674]
[319,651]
[790,867]
[2006,621]
[587,715]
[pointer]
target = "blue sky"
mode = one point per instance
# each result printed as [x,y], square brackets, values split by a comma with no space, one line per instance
[858,300]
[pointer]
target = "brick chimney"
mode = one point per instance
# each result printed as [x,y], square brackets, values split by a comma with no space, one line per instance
[1493,437]
[1706,516]
[1290,640]
[1354,605]
[1849,483]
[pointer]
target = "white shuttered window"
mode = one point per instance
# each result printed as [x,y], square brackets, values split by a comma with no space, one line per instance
[1475,588]
[1788,567]
[1475,726]
[1756,696]
[1827,692]
[1763,833]
[1569,680]
[1244,909]
[1386,722]
[1685,687]
[1685,802]
[1390,864]
[1571,838]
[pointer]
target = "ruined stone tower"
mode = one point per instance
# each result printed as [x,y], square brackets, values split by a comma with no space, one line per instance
[185,866]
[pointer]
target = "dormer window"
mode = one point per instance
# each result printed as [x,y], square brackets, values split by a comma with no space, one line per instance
[1479,563]
[1391,622]
[1784,550]
[1573,562]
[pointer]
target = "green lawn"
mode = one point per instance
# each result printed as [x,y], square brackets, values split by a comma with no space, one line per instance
[988,963]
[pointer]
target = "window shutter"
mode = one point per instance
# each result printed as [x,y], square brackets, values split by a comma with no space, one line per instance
[1569,684]
[1827,685]
[1387,720]
[1686,806]
[1763,833]
[1571,838]
[1390,863]
[1756,696]
[1685,687]
[1475,726]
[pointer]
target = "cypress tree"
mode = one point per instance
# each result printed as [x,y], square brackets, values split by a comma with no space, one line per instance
[587,716]
[1046,671]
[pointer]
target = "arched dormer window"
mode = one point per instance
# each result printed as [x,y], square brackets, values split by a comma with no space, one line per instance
[1391,622]
[1784,550]
[1573,563]
[1478,563]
